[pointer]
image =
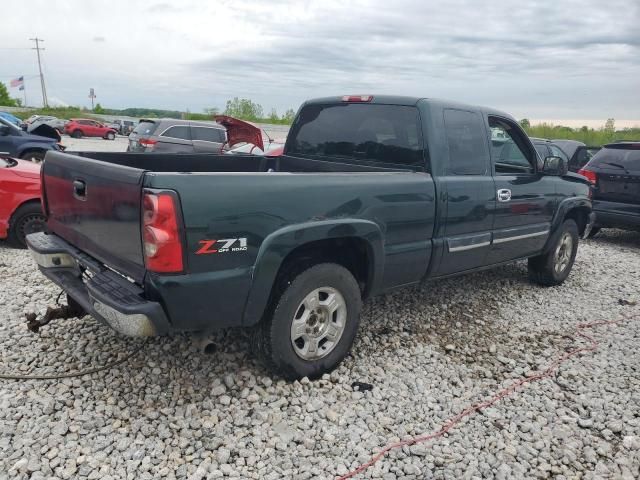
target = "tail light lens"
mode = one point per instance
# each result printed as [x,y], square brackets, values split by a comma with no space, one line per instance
[591,175]
[147,143]
[160,232]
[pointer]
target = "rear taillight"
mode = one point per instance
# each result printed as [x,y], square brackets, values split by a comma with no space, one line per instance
[147,143]
[591,175]
[160,233]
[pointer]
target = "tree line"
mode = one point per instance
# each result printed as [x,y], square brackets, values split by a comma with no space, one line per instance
[590,136]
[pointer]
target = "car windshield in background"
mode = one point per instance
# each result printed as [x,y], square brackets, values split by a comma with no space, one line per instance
[386,134]
[145,128]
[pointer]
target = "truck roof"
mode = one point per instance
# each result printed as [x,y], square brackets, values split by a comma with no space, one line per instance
[409,101]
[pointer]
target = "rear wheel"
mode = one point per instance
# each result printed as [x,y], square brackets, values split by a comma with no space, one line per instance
[26,219]
[76,134]
[313,325]
[553,267]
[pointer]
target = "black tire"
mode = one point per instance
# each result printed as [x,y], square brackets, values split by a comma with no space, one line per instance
[111,136]
[76,134]
[594,231]
[36,156]
[272,338]
[553,267]
[28,218]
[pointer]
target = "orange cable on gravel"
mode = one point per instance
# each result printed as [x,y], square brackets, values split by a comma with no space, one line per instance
[505,392]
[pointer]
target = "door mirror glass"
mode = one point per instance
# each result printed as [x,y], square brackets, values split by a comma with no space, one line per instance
[555,166]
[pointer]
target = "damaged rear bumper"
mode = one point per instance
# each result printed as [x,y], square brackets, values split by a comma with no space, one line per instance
[102,293]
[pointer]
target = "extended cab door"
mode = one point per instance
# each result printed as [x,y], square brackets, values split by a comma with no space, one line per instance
[468,190]
[525,198]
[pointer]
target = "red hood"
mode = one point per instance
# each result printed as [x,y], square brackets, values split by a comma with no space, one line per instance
[26,169]
[239,131]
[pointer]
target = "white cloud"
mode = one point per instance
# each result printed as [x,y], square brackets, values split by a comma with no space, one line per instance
[541,59]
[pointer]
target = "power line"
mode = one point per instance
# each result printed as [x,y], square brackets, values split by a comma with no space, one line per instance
[44,90]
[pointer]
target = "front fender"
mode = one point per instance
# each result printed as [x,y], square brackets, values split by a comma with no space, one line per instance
[565,206]
[282,242]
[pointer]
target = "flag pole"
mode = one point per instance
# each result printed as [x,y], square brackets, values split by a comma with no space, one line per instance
[24,90]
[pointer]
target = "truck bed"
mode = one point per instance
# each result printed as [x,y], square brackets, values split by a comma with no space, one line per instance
[232,196]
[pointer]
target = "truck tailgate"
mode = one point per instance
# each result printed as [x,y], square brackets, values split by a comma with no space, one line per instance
[95,206]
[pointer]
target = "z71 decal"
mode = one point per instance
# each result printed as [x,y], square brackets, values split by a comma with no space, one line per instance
[224,245]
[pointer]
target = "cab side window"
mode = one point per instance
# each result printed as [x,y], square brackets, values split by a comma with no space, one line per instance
[510,149]
[466,138]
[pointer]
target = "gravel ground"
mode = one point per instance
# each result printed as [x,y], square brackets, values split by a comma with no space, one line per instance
[95,144]
[174,411]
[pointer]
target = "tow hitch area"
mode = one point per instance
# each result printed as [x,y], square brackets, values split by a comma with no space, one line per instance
[72,310]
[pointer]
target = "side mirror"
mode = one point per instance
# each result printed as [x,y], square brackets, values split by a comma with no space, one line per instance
[4,130]
[555,166]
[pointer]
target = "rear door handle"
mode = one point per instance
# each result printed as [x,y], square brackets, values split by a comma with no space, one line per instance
[80,189]
[504,195]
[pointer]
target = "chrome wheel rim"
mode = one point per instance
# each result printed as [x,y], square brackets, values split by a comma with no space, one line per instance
[563,253]
[318,323]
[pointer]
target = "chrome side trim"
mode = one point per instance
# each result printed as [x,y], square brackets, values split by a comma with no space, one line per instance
[462,248]
[520,237]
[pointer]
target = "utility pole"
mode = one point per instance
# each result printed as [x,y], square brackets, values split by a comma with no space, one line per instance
[44,90]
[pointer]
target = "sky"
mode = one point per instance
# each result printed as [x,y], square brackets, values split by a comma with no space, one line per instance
[552,60]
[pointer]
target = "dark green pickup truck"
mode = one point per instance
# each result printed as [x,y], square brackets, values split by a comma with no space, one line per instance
[372,193]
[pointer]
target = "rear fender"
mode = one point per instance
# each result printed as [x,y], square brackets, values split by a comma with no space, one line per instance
[281,243]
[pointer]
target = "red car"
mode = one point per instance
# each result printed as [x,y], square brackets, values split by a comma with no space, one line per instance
[84,127]
[20,208]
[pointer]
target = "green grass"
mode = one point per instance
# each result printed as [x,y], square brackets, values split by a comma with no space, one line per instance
[589,136]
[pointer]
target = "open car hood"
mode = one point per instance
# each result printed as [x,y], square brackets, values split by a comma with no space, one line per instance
[45,130]
[239,131]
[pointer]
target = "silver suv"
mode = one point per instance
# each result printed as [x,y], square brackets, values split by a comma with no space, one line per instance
[177,136]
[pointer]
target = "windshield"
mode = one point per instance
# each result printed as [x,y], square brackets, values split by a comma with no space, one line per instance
[6,162]
[4,121]
[363,132]
[618,156]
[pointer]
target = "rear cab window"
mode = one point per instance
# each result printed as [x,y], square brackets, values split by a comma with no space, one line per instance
[365,133]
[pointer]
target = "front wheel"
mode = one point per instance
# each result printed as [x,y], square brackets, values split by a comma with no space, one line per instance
[313,325]
[553,267]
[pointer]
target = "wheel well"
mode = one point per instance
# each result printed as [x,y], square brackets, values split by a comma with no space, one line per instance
[580,215]
[352,253]
[35,201]
[32,149]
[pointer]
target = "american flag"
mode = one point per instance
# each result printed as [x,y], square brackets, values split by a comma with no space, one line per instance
[17,82]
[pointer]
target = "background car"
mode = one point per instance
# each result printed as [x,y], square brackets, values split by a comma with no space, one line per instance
[20,208]
[53,122]
[246,138]
[84,127]
[177,136]
[579,153]
[614,173]
[273,149]
[16,142]
[12,118]
[123,127]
